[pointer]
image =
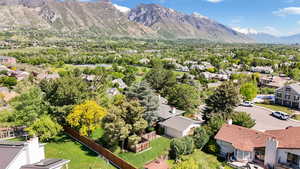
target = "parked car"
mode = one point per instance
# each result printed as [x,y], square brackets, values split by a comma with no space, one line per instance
[280,115]
[247,104]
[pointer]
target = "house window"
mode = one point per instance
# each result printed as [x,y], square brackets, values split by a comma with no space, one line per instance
[287,97]
[279,95]
[296,98]
[293,159]
[243,155]
[288,89]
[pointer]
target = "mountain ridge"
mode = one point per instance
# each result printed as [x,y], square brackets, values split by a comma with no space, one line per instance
[107,19]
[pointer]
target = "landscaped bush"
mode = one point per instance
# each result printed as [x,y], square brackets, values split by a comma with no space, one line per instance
[212,147]
[181,146]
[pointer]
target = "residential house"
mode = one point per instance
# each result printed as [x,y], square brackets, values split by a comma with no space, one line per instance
[272,148]
[262,69]
[27,155]
[144,61]
[222,77]
[113,92]
[179,126]
[273,81]
[120,82]
[289,96]
[166,111]
[7,60]
[48,76]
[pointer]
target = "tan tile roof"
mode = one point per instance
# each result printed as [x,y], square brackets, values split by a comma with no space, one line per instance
[288,138]
[242,138]
[247,139]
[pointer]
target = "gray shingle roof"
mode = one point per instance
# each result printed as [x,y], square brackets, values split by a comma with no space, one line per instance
[179,123]
[165,110]
[47,164]
[295,87]
[8,154]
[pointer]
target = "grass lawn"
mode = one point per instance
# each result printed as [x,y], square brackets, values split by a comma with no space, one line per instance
[206,161]
[98,133]
[158,147]
[297,117]
[276,108]
[81,157]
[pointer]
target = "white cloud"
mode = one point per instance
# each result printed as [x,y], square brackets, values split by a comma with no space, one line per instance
[122,8]
[271,30]
[214,1]
[287,11]
[245,30]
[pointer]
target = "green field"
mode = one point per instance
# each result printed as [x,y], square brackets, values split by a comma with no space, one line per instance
[81,157]
[158,147]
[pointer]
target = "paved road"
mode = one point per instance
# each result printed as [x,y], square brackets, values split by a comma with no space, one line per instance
[264,120]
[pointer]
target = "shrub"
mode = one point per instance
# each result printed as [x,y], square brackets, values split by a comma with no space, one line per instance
[243,119]
[181,146]
[200,137]
[212,147]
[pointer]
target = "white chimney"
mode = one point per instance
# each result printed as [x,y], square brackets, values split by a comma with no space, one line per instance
[229,121]
[159,97]
[173,109]
[35,151]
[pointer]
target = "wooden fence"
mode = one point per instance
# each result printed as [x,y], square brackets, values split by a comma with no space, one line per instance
[115,160]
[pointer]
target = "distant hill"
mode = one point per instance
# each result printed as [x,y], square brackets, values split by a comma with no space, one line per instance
[105,18]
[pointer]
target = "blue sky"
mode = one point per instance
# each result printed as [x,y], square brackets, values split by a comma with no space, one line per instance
[277,17]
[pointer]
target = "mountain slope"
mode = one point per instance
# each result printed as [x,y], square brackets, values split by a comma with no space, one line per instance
[172,24]
[70,15]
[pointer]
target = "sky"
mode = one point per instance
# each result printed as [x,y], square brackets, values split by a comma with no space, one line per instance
[276,17]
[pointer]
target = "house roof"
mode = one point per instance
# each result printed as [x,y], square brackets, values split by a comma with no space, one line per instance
[288,138]
[8,152]
[179,123]
[242,138]
[47,164]
[294,86]
[165,110]
[247,139]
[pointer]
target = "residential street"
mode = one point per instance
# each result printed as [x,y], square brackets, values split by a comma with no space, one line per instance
[264,120]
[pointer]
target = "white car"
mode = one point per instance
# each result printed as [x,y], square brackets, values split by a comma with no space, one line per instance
[247,104]
[280,115]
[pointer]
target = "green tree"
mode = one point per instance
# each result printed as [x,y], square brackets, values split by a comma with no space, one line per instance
[184,96]
[148,100]
[45,128]
[222,102]
[214,124]
[243,119]
[160,78]
[125,118]
[295,74]
[29,106]
[67,90]
[200,137]
[249,91]
[86,117]
[8,81]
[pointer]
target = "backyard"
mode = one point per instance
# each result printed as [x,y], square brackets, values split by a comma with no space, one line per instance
[206,161]
[81,157]
[159,146]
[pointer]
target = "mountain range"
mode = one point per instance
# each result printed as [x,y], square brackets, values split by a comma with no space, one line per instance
[107,19]
[261,37]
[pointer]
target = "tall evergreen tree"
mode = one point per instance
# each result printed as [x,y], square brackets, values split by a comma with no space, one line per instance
[222,102]
[147,99]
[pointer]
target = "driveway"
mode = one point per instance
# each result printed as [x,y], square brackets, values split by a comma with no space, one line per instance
[264,120]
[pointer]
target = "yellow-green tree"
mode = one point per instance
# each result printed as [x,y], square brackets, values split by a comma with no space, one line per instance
[86,117]
[187,164]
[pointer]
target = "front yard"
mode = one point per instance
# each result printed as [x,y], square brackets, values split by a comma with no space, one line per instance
[276,108]
[158,147]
